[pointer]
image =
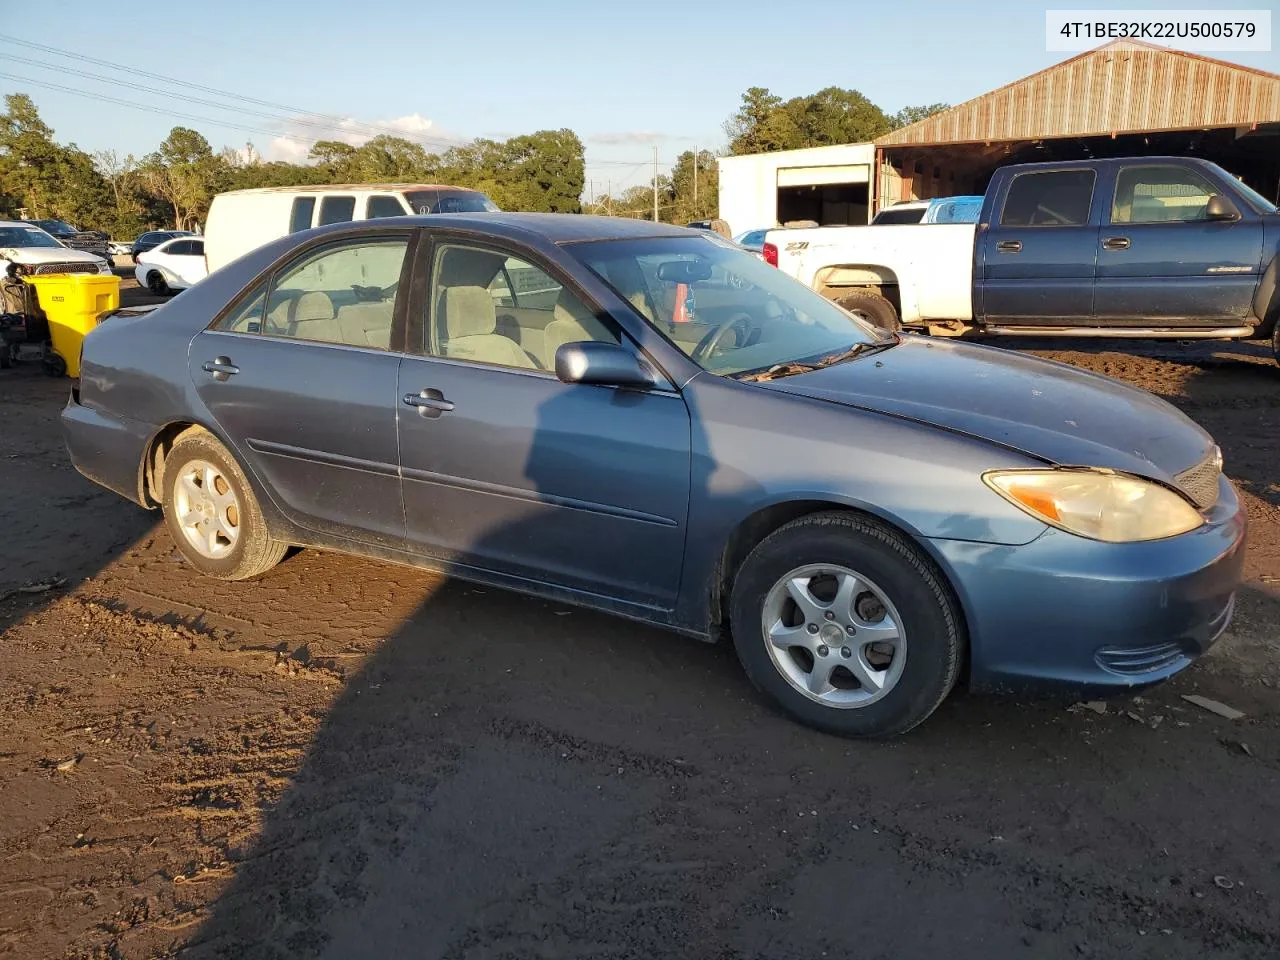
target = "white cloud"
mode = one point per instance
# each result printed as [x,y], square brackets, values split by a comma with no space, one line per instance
[295,144]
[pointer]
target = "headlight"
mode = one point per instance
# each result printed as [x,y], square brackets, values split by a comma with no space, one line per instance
[1097,504]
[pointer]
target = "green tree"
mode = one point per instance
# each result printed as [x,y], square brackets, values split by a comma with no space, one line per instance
[765,122]
[909,115]
[761,125]
[834,116]
[688,203]
[185,174]
[540,172]
[45,178]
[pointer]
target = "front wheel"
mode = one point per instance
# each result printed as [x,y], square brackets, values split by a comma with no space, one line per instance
[846,625]
[212,513]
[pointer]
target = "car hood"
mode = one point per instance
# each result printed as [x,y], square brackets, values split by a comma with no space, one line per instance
[47,255]
[1049,410]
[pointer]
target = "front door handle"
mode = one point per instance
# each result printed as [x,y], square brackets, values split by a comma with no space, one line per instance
[1116,243]
[221,368]
[430,402]
[1009,246]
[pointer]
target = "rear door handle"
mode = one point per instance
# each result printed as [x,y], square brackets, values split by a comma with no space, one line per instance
[1116,243]
[430,402]
[1009,246]
[221,368]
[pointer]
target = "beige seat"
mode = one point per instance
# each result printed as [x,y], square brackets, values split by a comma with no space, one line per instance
[572,324]
[366,324]
[313,318]
[469,319]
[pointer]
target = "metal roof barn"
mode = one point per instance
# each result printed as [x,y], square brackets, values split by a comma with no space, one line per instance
[1126,98]
[1123,87]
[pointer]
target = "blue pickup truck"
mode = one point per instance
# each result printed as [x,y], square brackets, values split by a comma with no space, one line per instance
[1171,247]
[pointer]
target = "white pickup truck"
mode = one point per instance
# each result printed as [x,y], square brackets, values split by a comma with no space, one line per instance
[1170,247]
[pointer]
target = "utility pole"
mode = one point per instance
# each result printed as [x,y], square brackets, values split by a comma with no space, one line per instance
[655,183]
[695,180]
[608,199]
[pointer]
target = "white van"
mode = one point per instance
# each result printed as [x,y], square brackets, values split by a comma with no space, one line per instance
[243,220]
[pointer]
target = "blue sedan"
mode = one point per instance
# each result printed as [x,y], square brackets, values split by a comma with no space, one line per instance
[648,420]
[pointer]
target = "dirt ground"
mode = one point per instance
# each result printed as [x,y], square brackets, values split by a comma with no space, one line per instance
[350,759]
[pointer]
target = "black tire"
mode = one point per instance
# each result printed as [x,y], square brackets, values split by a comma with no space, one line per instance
[54,365]
[1275,340]
[156,284]
[873,308]
[930,615]
[254,552]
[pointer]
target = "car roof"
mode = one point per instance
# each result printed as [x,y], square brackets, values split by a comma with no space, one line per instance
[351,187]
[1108,161]
[554,227]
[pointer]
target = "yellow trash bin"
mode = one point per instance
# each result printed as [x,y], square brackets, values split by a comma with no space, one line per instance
[73,302]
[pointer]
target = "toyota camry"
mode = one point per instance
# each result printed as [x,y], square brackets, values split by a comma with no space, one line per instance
[649,421]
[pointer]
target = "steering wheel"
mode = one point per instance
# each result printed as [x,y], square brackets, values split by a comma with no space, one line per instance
[708,345]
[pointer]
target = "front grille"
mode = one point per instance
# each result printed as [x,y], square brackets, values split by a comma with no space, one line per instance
[78,266]
[1200,483]
[1134,661]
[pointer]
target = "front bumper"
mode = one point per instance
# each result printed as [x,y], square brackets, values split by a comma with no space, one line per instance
[1066,615]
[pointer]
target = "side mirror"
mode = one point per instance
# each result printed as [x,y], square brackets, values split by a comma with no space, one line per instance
[1220,208]
[607,364]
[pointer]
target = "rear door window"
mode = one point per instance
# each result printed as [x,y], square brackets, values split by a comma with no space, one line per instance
[338,209]
[1055,198]
[300,218]
[179,248]
[383,206]
[197,248]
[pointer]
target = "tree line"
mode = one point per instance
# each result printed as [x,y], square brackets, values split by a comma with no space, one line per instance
[544,171]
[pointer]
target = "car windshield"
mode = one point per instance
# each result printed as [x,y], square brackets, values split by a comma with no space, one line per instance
[26,237]
[1259,203]
[56,226]
[730,312]
[449,201]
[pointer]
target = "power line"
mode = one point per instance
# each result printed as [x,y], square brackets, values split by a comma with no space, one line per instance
[198,100]
[371,128]
[150,109]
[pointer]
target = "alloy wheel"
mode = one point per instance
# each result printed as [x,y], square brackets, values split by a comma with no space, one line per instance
[834,635]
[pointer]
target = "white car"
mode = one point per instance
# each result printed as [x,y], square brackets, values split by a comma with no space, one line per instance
[33,251]
[174,265]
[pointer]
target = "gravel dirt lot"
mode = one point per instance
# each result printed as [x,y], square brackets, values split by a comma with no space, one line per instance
[350,759]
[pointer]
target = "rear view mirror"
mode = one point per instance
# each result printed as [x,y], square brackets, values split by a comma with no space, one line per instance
[1220,208]
[684,271]
[607,364]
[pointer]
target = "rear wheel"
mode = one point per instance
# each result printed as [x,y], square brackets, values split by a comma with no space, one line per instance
[212,513]
[846,625]
[873,308]
[156,284]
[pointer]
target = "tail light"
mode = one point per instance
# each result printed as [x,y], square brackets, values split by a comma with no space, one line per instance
[770,254]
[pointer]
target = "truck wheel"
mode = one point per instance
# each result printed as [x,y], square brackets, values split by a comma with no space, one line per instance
[873,308]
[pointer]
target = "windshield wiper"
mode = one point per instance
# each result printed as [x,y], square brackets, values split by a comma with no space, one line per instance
[790,368]
[775,372]
[857,350]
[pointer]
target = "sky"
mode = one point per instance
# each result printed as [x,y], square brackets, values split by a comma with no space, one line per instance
[625,77]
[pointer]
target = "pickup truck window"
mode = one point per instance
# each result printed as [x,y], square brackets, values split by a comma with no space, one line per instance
[1156,194]
[894,217]
[1055,198]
